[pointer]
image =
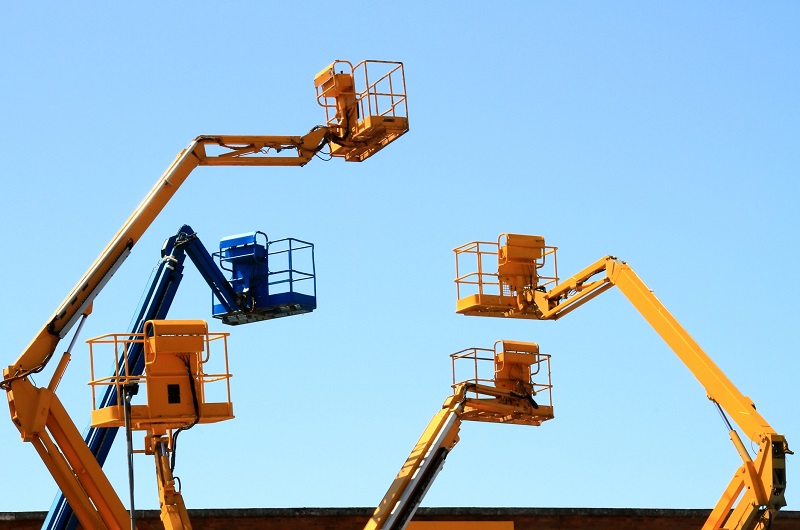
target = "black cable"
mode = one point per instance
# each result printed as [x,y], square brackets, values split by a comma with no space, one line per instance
[127,395]
[184,239]
[527,397]
[196,417]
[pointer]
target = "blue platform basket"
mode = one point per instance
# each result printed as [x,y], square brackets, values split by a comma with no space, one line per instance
[272,278]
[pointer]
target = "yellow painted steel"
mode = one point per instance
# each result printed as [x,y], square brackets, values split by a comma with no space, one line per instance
[175,379]
[43,421]
[516,388]
[380,107]
[445,425]
[498,270]
[506,397]
[365,106]
[174,515]
[756,492]
[519,259]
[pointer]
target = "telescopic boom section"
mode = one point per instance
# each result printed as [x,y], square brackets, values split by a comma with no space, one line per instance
[420,468]
[378,104]
[517,288]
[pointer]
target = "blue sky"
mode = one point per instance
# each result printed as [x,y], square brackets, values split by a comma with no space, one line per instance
[665,133]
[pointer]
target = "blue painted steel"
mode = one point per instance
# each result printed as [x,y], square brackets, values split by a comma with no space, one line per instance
[253,293]
[220,287]
[265,278]
[238,240]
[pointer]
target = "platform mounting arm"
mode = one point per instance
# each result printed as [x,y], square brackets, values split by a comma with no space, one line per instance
[758,485]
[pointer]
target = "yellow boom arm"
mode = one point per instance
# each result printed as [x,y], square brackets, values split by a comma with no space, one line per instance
[359,124]
[763,481]
[508,399]
[420,468]
[523,292]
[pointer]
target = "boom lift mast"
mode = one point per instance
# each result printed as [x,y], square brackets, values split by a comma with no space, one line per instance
[517,288]
[364,114]
[176,378]
[264,289]
[505,396]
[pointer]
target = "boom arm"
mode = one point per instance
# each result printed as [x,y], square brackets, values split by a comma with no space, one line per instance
[763,481]
[36,412]
[421,467]
[39,351]
[580,288]
[28,404]
[509,399]
[757,485]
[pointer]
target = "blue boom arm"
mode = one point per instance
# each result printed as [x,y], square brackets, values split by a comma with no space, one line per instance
[154,304]
[247,299]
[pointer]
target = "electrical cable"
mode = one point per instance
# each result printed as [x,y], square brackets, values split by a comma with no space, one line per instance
[128,393]
[196,417]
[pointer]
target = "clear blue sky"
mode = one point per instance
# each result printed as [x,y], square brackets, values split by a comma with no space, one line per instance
[665,133]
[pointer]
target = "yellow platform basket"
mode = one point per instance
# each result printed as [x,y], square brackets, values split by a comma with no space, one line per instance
[177,356]
[492,275]
[364,104]
[510,383]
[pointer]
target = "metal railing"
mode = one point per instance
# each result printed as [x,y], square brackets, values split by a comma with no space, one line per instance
[484,367]
[121,344]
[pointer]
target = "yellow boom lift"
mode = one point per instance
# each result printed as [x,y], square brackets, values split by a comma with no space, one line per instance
[177,354]
[508,279]
[366,109]
[507,394]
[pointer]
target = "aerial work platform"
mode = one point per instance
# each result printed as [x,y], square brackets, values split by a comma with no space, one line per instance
[270,279]
[506,279]
[501,388]
[176,382]
[365,105]
[490,275]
